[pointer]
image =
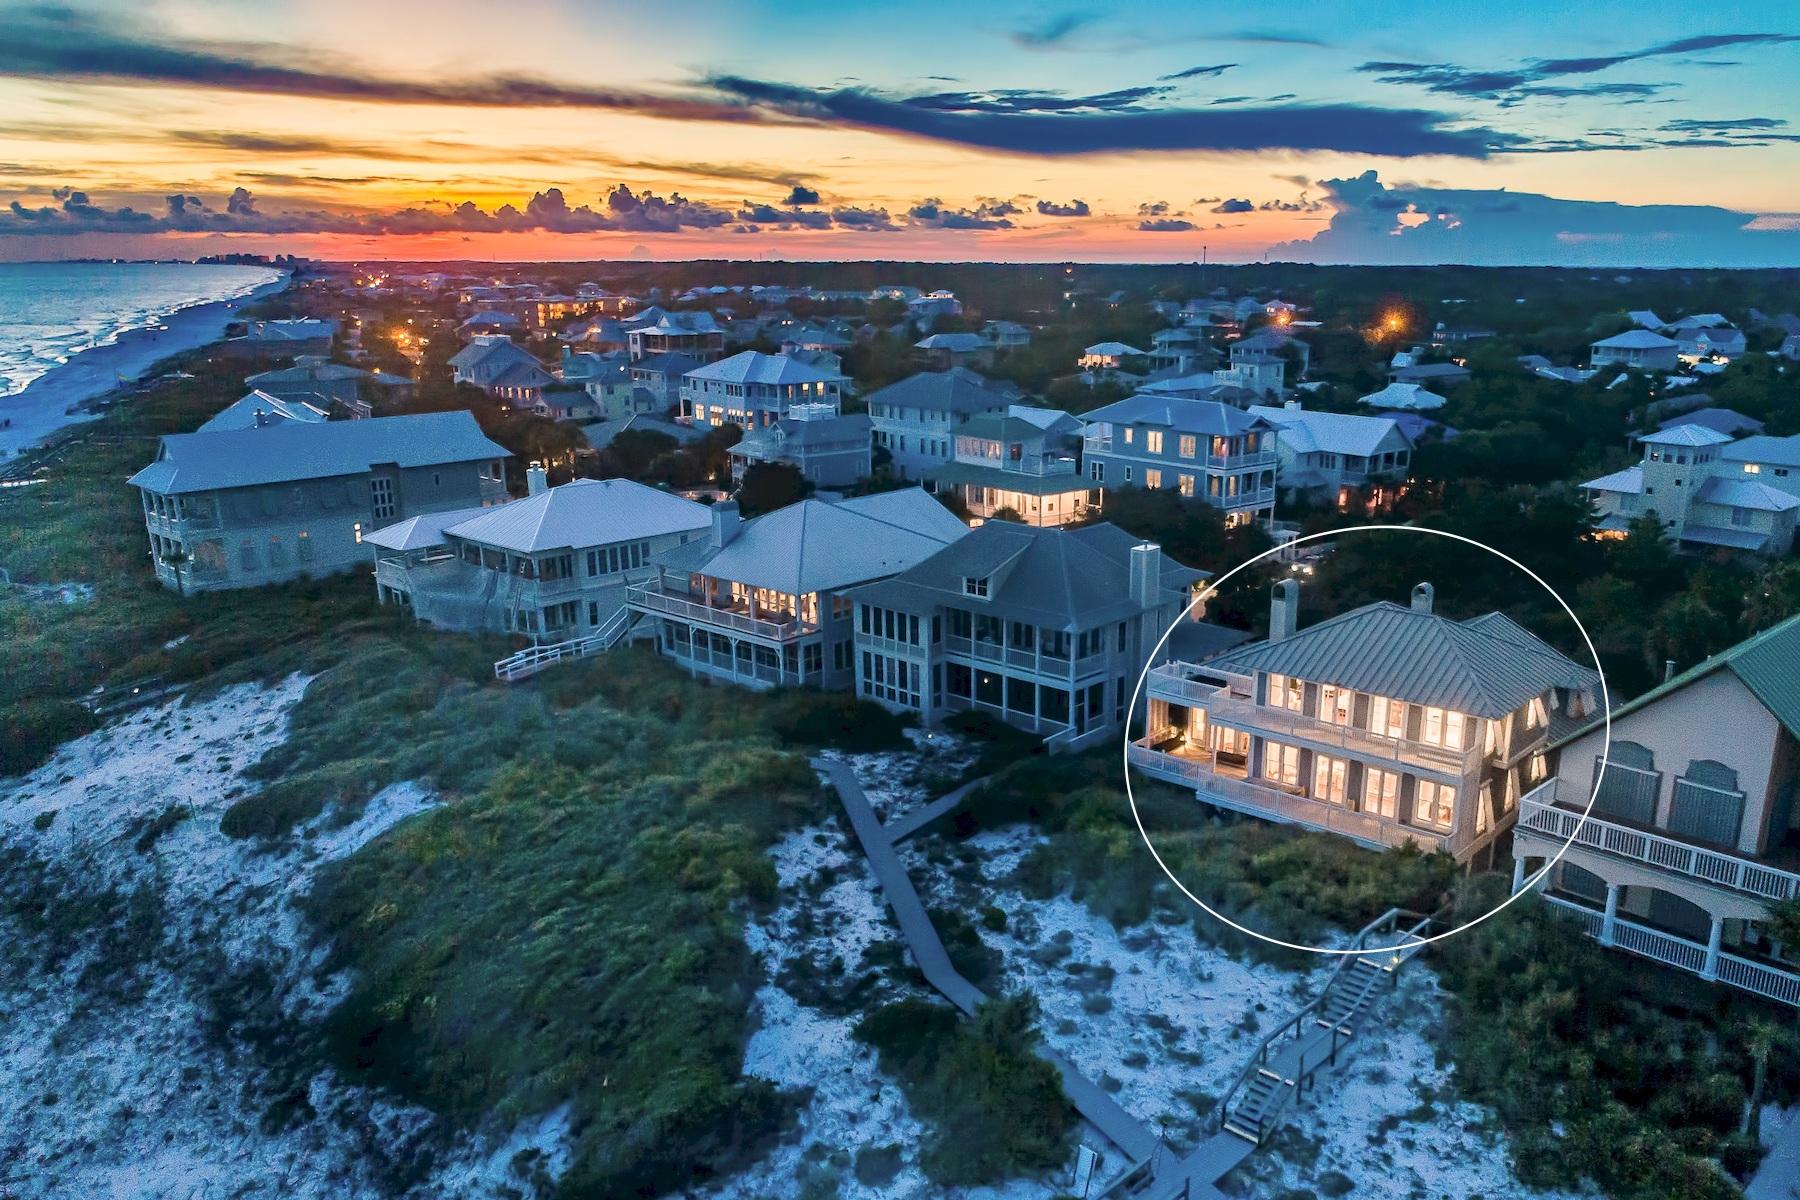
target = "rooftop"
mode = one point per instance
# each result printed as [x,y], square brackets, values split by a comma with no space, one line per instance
[584,512]
[753,366]
[1177,413]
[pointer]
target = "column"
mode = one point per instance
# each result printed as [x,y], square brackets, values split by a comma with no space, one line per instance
[1611,919]
[1518,883]
[1711,969]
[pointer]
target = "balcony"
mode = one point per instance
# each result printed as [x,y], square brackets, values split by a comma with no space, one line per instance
[1275,804]
[1237,462]
[981,651]
[1763,979]
[1240,712]
[1554,811]
[649,598]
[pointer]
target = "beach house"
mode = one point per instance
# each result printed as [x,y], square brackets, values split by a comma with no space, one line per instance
[259,410]
[1335,457]
[1691,834]
[753,390]
[1387,724]
[244,507]
[1023,465]
[1045,628]
[1201,448]
[915,420]
[830,449]
[552,566]
[761,603]
[1701,500]
[1638,349]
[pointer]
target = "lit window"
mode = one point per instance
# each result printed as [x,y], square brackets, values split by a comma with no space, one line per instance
[1443,727]
[1434,803]
[1381,793]
[1152,478]
[1286,692]
[1336,704]
[1153,441]
[1187,446]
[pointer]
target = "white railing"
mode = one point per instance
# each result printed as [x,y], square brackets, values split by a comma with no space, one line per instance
[649,598]
[1272,803]
[533,659]
[1240,712]
[1540,813]
[1746,974]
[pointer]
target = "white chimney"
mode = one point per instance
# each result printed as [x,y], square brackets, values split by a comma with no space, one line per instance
[537,480]
[1422,597]
[1284,609]
[1146,574]
[724,522]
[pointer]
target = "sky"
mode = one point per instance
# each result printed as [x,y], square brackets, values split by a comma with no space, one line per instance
[1501,132]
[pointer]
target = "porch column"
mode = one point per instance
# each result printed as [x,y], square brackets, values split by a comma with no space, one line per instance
[1518,883]
[1711,969]
[1612,914]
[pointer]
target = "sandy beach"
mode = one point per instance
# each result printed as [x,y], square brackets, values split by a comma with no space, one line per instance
[63,395]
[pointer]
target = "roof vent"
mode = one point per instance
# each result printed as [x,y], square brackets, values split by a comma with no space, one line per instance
[1422,597]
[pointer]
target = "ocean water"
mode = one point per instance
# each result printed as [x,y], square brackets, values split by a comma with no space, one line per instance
[50,312]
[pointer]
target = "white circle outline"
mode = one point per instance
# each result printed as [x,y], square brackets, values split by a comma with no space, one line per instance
[1212,586]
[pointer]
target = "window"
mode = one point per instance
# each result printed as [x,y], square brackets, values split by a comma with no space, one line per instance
[1336,704]
[1186,445]
[1281,764]
[1127,472]
[1740,516]
[1434,803]
[1153,441]
[356,532]
[1152,478]
[1187,485]
[1286,692]
[1381,793]
[303,546]
[381,498]
[247,554]
[1443,727]
[1331,779]
[975,586]
[1097,472]
[277,554]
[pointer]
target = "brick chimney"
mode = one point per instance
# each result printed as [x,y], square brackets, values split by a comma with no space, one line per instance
[1284,609]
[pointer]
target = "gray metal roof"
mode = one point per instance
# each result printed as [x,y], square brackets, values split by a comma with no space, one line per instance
[958,390]
[259,410]
[1329,432]
[291,451]
[582,513]
[1067,579]
[753,366]
[1486,667]
[1778,451]
[816,546]
[1207,417]
[420,532]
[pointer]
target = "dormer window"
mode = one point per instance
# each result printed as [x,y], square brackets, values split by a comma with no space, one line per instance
[976,586]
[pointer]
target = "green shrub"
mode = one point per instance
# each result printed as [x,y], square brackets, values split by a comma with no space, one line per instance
[995,1109]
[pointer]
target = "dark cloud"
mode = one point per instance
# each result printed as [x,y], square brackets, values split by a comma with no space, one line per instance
[1372,223]
[1154,208]
[1074,208]
[1027,100]
[1054,31]
[801,195]
[1350,128]
[44,41]
[620,209]
[1732,125]
[1165,225]
[1514,84]
[1234,206]
[1213,71]
[988,214]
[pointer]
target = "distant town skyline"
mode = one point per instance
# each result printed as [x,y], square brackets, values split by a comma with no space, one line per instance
[1497,133]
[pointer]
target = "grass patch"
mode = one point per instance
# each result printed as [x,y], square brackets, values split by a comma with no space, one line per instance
[996,1110]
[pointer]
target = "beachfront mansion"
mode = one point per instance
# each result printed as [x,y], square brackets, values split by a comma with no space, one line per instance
[1387,724]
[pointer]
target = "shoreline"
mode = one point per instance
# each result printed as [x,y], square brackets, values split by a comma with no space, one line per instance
[67,393]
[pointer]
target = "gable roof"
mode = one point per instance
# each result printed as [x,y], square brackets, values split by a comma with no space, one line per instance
[259,410]
[1058,578]
[753,366]
[1777,451]
[1635,339]
[956,343]
[1486,667]
[1767,663]
[1630,481]
[420,532]
[1723,420]
[1403,396]
[815,546]
[1111,350]
[958,390]
[1178,413]
[583,512]
[1330,433]
[291,451]
[1745,492]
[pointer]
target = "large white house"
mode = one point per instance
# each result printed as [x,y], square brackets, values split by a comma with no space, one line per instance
[1691,836]
[762,603]
[916,419]
[1334,456]
[1639,349]
[1387,724]
[1026,462]
[1200,448]
[552,566]
[753,390]
[1701,500]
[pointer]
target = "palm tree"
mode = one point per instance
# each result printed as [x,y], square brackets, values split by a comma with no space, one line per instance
[1761,1036]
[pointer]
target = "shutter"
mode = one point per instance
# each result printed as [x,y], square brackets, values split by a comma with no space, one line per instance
[1706,814]
[1627,793]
